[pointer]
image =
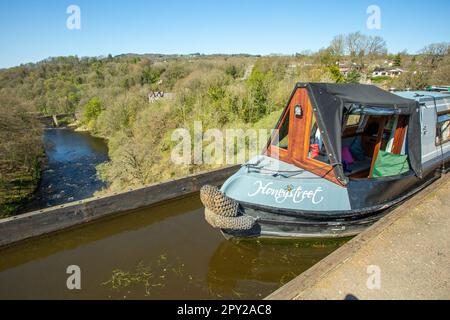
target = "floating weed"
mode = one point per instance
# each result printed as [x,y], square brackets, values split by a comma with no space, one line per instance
[121,279]
[284,258]
[152,276]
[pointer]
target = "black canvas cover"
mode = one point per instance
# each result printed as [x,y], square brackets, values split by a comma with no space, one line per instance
[331,101]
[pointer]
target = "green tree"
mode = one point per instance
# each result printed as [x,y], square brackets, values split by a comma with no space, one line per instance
[92,110]
[397,60]
[353,77]
[232,71]
[258,86]
[336,74]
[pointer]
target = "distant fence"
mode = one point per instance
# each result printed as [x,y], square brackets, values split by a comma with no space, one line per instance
[41,222]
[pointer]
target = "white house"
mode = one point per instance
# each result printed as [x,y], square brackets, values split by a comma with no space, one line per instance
[383,72]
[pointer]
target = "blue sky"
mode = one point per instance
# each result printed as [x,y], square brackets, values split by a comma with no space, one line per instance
[34,30]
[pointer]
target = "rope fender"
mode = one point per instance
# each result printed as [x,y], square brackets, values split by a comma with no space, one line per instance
[223,212]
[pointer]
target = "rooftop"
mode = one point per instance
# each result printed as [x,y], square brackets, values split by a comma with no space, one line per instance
[416,94]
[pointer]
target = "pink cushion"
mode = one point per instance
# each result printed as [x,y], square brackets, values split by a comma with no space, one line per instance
[347,155]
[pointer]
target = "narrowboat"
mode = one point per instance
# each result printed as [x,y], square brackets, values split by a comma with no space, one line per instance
[341,155]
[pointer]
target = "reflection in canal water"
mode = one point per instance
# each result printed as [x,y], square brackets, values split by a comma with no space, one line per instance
[164,251]
[70,170]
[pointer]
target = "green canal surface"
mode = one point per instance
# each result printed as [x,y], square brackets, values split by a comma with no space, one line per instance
[161,252]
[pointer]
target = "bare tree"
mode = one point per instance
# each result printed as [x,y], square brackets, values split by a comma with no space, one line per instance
[356,43]
[358,46]
[437,49]
[435,52]
[337,45]
[375,46]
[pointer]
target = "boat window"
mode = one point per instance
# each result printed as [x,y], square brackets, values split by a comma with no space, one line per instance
[391,127]
[380,134]
[391,123]
[283,135]
[443,129]
[317,149]
[353,120]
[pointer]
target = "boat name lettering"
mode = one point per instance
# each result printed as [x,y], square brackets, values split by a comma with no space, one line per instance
[298,195]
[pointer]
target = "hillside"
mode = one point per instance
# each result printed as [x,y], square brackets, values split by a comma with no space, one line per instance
[110,96]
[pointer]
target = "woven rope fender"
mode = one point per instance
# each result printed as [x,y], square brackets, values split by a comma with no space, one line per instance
[217,202]
[223,212]
[231,223]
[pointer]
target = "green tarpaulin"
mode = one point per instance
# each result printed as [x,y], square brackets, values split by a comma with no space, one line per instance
[389,164]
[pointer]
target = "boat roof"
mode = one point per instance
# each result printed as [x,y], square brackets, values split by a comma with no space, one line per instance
[363,94]
[423,95]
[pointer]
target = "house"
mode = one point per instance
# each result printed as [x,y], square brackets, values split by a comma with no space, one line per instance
[379,72]
[345,68]
[383,72]
[395,72]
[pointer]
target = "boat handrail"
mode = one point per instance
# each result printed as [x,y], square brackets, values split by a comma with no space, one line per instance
[252,166]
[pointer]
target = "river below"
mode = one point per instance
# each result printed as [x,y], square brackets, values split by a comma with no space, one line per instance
[69,173]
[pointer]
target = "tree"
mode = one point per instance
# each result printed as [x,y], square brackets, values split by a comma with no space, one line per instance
[337,45]
[358,46]
[327,58]
[336,74]
[397,60]
[415,80]
[232,71]
[375,46]
[353,77]
[258,85]
[435,52]
[151,75]
[441,75]
[92,110]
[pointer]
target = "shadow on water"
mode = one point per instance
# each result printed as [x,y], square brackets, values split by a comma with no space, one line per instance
[164,251]
[69,173]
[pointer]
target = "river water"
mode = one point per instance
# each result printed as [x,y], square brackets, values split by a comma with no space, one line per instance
[160,252]
[70,170]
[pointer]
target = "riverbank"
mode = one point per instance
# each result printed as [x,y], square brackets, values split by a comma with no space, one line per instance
[18,186]
[406,255]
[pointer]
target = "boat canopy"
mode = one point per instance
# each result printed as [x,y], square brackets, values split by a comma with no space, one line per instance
[331,102]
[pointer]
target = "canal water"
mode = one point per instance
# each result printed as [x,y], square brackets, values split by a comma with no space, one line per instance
[70,170]
[164,251]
